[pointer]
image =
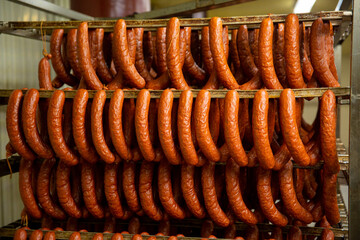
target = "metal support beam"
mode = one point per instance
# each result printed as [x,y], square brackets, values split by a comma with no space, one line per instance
[48,7]
[354,141]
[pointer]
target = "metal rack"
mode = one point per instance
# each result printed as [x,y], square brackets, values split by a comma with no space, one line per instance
[341,20]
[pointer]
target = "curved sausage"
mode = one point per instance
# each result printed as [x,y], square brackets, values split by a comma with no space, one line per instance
[329,198]
[289,128]
[292,52]
[165,191]
[220,61]
[54,121]
[161,66]
[97,129]
[88,188]
[278,51]
[173,58]
[84,55]
[81,136]
[102,69]
[28,117]
[254,35]
[146,191]
[252,232]
[205,50]
[307,68]
[234,193]
[140,58]
[56,59]
[164,127]
[122,57]
[129,186]
[266,63]
[44,74]
[246,58]
[203,135]
[72,52]
[295,233]
[327,234]
[329,44]
[211,203]
[14,128]
[266,200]
[328,118]
[26,189]
[43,190]
[288,195]
[111,190]
[317,53]
[231,128]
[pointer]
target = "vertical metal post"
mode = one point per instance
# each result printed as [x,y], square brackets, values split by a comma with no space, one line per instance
[354,141]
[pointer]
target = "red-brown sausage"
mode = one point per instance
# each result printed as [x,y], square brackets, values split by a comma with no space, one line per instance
[111,190]
[279,58]
[129,186]
[329,44]
[246,58]
[295,233]
[329,198]
[72,52]
[36,235]
[205,50]
[140,58]
[102,69]
[20,234]
[327,234]
[44,74]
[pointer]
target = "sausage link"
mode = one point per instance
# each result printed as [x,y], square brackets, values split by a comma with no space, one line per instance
[88,188]
[173,57]
[97,129]
[94,47]
[307,68]
[328,118]
[54,121]
[82,138]
[246,58]
[26,188]
[231,128]
[211,202]
[205,50]
[129,186]
[98,236]
[13,126]
[278,51]
[295,233]
[102,69]
[20,234]
[329,198]
[84,55]
[189,192]
[56,59]
[317,53]
[43,190]
[329,44]
[292,52]
[220,60]
[75,236]
[44,74]
[140,58]
[252,232]
[49,236]
[161,50]
[72,52]
[203,135]
[146,191]
[289,128]
[117,236]
[36,235]
[266,200]
[165,191]
[266,63]
[234,193]
[164,127]
[327,234]
[134,226]
[288,195]
[111,190]
[31,132]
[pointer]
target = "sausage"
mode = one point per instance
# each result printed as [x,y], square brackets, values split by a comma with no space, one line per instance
[146,191]
[231,128]
[57,83]
[63,189]
[329,198]
[289,128]
[43,193]
[278,51]
[31,132]
[82,138]
[102,69]
[328,118]
[97,129]
[88,188]
[252,232]
[173,57]
[54,121]
[26,189]
[84,55]
[246,58]
[307,68]
[329,45]
[161,50]
[184,125]
[260,129]
[317,53]
[220,60]
[116,126]
[205,50]
[295,233]
[234,56]
[122,55]
[94,47]
[211,202]
[140,58]
[266,200]
[111,190]
[292,52]
[117,236]
[13,126]
[56,59]
[203,135]
[165,191]
[164,127]
[44,73]
[49,235]
[207,228]
[288,195]
[136,237]
[190,66]
[72,52]
[164,227]
[266,63]
[36,235]
[75,236]
[20,234]
[234,193]
[98,236]
[134,225]
[254,35]
[129,186]
[327,234]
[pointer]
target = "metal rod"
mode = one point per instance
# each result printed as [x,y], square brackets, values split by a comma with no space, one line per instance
[53,9]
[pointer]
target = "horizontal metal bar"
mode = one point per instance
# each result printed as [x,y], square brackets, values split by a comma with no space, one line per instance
[53,9]
[299,93]
[335,17]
